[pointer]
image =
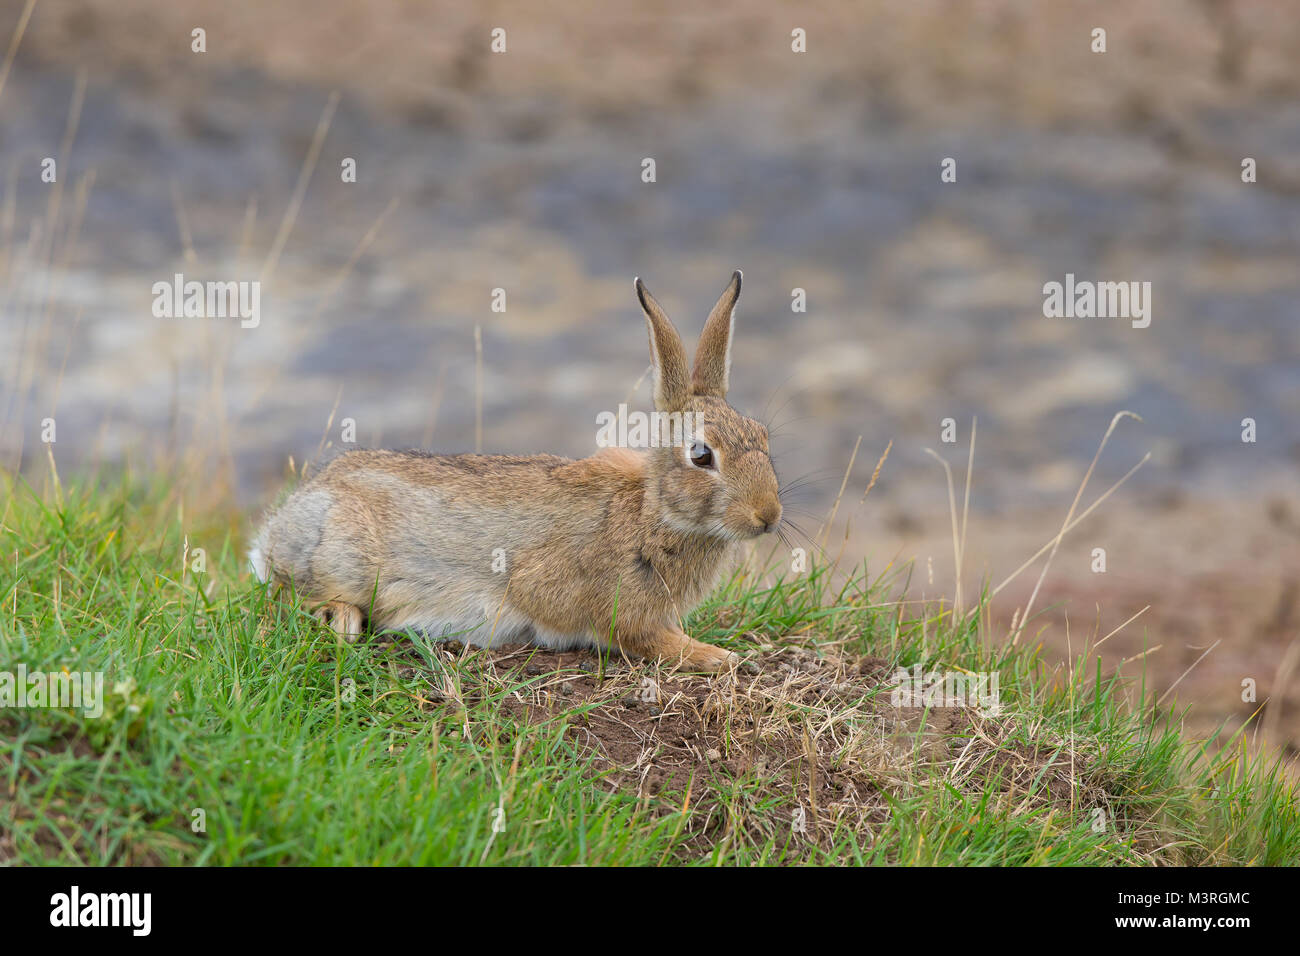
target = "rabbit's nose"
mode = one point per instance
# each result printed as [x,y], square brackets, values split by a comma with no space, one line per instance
[768,516]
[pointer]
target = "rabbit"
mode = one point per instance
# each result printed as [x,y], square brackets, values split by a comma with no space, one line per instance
[614,548]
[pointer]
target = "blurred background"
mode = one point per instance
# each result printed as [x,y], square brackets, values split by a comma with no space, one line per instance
[819,170]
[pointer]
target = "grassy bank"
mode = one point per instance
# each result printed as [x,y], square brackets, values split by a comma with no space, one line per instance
[237,730]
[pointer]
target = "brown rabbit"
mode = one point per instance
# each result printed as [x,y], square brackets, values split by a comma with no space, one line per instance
[493,548]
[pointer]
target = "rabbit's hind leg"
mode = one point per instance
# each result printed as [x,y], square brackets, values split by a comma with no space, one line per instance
[345,619]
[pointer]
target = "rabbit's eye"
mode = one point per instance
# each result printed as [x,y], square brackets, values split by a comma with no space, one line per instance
[701,455]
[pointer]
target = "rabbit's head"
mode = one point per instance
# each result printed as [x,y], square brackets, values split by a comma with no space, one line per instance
[714,475]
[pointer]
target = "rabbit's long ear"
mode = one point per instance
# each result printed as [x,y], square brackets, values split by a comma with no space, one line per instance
[672,382]
[713,357]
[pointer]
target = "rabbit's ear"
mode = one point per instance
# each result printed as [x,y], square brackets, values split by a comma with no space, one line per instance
[672,384]
[713,357]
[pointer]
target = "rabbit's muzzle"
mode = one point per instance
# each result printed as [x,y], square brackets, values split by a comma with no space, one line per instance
[755,506]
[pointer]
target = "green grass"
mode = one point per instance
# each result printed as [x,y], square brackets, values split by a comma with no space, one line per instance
[300,750]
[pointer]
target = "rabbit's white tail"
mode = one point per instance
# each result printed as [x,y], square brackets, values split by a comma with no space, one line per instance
[257,561]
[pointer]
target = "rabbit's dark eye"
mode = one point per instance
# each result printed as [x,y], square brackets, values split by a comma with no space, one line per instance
[701,455]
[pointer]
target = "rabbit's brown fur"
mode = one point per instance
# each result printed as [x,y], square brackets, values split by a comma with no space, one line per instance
[623,543]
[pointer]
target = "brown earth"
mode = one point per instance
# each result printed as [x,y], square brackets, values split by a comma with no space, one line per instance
[813,731]
[1210,609]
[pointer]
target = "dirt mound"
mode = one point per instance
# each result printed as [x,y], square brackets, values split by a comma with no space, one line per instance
[798,739]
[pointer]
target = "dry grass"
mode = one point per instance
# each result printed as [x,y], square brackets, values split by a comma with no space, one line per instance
[802,741]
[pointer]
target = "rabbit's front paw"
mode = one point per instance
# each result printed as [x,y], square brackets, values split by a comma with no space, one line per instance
[706,657]
[673,648]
